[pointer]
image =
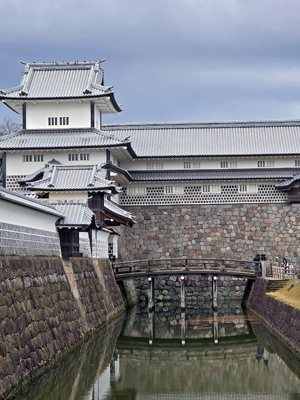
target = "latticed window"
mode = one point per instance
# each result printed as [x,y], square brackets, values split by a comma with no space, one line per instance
[136,190]
[261,164]
[224,164]
[173,189]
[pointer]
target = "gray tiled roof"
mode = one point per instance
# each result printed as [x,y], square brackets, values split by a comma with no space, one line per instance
[27,202]
[289,182]
[58,177]
[64,139]
[74,214]
[114,209]
[59,80]
[236,174]
[212,139]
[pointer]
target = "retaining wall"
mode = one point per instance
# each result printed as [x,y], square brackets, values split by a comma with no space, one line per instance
[197,289]
[46,307]
[231,231]
[281,318]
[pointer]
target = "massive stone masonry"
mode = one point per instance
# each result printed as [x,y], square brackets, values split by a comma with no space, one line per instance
[46,307]
[232,231]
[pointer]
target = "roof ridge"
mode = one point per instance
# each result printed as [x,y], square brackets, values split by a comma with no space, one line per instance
[180,125]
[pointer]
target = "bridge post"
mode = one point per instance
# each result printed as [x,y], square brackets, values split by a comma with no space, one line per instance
[182,292]
[151,326]
[216,327]
[150,293]
[215,292]
[183,328]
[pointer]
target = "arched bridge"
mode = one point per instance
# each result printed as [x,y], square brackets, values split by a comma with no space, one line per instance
[183,267]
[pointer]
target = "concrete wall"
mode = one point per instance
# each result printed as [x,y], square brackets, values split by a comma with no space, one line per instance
[231,231]
[47,306]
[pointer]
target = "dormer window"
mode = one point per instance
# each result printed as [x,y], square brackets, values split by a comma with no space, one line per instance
[60,120]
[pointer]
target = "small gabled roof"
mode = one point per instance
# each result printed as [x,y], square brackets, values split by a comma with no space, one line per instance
[112,210]
[289,183]
[70,178]
[61,81]
[27,202]
[75,215]
[63,139]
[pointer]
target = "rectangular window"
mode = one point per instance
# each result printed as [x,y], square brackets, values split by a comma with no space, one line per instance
[33,158]
[206,188]
[270,164]
[136,190]
[81,157]
[196,164]
[261,164]
[250,188]
[173,189]
[233,164]
[154,165]
[187,165]
[224,164]
[297,163]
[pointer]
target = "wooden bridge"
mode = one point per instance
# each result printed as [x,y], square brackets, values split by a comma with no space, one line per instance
[183,267]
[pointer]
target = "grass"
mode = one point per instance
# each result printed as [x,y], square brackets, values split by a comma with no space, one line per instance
[289,293]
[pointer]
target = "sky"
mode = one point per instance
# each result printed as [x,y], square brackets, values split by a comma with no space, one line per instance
[168,60]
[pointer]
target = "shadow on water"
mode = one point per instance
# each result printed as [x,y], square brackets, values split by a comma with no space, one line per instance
[167,354]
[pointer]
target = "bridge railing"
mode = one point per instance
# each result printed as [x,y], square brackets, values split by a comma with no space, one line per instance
[183,264]
[283,272]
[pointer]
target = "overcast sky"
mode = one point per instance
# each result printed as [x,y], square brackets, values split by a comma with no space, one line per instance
[168,60]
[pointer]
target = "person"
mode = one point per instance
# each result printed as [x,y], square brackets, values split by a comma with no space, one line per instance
[256,264]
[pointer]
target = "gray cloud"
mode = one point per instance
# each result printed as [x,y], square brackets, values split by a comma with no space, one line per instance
[169,60]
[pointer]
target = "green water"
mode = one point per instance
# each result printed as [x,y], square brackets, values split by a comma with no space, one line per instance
[167,354]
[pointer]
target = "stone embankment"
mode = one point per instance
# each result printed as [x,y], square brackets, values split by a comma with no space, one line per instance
[231,231]
[283,319]
[198,289]
[46,307]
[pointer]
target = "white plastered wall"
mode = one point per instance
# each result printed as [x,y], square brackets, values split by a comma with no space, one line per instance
[100,244]
[208,163]
[69,196]
[79,113]
[17,214]
[113,241]
[84,244]
[16,166]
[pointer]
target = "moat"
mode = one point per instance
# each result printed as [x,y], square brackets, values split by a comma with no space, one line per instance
[168,354]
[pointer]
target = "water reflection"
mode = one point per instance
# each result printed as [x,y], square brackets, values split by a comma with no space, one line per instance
[167,354]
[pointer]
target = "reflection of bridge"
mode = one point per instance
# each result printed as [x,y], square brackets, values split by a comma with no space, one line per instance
[242,332]
[183,267]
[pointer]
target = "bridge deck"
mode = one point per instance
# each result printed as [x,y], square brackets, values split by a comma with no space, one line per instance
[184,272]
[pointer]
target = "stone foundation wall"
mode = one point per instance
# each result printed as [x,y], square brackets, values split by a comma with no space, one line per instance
[197,289]
[281,318]
[47,306]
[231,231]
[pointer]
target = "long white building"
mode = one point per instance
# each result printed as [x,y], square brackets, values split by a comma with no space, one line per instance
[158,164]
